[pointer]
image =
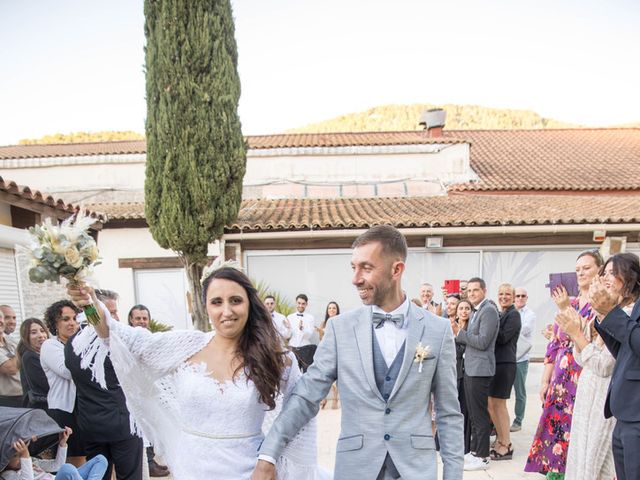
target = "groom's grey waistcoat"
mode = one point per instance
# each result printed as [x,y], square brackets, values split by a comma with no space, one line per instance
[386,377]
[372,426]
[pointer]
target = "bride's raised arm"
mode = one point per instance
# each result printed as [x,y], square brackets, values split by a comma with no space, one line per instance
[155,353]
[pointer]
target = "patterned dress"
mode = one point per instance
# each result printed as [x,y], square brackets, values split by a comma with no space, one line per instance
[548,452]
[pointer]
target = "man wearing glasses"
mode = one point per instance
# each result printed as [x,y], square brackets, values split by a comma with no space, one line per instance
[525,340]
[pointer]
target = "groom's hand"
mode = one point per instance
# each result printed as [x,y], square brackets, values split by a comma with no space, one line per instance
[264,471]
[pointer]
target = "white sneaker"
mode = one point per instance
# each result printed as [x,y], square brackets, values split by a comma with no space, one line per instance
[475,463]
[468,456]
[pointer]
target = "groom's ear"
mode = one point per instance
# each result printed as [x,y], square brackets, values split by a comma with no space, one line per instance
[397,269]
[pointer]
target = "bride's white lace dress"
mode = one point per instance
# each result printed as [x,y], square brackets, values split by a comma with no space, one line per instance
[203,428]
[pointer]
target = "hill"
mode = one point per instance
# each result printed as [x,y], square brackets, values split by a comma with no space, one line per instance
[82,137]
[459,117]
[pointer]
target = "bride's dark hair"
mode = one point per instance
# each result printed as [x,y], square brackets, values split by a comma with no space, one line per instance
[260,346]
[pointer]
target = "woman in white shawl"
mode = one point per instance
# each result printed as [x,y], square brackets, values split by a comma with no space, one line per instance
[201,398]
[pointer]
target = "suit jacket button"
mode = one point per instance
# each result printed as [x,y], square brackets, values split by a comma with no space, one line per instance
[387,436]
[387,411]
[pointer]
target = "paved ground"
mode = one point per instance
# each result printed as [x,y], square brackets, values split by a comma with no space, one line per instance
[329,429]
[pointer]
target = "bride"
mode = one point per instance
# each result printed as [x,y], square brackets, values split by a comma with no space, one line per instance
[201,398]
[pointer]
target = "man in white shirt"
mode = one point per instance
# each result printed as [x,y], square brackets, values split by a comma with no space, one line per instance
[10,386]
[10,321]
[525,341]
[302,328]
[279,321]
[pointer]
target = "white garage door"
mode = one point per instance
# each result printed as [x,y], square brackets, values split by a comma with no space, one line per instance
[9,288]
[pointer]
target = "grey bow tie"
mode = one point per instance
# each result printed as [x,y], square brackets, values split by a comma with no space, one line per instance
[379,319]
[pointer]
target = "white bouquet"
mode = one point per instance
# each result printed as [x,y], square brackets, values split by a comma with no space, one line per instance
[66,250]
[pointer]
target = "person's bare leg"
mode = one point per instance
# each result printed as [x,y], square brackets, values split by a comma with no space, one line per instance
[500,417]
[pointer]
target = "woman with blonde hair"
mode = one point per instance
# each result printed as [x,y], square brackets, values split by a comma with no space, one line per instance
[505,376]
[590,454]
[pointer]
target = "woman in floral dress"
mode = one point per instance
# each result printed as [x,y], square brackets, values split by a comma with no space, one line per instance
[548,454]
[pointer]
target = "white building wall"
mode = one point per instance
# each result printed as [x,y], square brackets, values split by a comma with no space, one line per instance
[115,244]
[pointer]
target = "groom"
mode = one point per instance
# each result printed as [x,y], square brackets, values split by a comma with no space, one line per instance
[387,357]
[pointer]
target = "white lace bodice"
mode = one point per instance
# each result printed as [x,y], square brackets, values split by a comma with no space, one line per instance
[197,392]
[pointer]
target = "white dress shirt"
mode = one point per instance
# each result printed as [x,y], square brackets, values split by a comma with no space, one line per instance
[300,338]
[528,318]
[62,390]
[278,322]
[390,337]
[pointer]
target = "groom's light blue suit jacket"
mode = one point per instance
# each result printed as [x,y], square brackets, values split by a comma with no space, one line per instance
[371,426]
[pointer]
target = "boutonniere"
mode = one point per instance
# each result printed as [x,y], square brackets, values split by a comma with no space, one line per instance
[421,354]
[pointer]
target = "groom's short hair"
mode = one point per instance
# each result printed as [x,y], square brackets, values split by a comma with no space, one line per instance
[392,241]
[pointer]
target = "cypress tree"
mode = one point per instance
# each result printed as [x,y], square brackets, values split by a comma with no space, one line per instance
[196,155]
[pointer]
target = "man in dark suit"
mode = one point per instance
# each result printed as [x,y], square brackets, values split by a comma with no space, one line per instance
[621,334]
[104,419]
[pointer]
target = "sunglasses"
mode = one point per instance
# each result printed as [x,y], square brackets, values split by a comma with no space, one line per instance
[521,296]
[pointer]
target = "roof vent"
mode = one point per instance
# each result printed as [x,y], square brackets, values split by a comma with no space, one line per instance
[433,121]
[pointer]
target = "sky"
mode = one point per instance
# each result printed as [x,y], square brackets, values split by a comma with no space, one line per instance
[79,66]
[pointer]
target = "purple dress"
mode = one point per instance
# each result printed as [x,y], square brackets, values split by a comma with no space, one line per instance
[551,441]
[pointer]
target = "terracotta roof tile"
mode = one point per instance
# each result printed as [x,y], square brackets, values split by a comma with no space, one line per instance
[563,159]
[558,159]
[123,147]
[457,210]
[40,198]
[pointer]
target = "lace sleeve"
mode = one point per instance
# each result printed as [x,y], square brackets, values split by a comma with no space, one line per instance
[155,353]
[299,460]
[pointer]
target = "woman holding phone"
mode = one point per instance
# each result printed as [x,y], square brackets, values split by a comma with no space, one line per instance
[548,453]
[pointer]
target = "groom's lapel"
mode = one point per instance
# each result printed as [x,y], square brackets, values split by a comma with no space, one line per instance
[364,338]
[416,327]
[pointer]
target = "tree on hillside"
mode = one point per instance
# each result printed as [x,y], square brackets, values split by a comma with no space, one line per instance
[196,154]
[83,137]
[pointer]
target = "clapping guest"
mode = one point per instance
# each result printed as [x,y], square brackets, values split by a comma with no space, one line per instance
[426,296]
[451,307]
[502,381]
[548,453]
[332,310]
[619,325]
[60,318]
[461,321]
[590,455]
[33,334]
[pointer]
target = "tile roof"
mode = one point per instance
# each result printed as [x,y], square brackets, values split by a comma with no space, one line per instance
[505,160]
[456,210]
[40,198]
[123,147]
[563,159]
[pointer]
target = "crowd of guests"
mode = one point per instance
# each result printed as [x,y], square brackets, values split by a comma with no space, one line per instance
[589,426]
[40,369]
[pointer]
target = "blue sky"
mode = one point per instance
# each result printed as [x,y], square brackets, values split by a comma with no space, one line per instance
[78,65]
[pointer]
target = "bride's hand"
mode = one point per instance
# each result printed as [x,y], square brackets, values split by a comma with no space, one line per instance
[81,294]
[264,471]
